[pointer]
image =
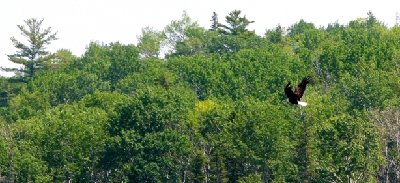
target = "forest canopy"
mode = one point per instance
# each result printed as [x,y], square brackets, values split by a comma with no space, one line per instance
[206,104]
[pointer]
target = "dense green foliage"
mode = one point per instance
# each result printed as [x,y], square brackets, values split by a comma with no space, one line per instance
[212,109]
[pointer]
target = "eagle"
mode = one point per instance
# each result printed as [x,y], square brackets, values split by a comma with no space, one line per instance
[294,97]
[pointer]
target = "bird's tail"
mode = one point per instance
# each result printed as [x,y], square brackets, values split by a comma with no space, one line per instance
[302,103]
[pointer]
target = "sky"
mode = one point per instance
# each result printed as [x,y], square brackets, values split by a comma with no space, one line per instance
[79,22]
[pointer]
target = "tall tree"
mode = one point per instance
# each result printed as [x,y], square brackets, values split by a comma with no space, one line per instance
[232,36]
[236,24]
[177,32]
[150,42]
[32,55]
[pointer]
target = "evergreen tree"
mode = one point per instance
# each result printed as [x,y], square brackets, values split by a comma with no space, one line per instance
[33,55]
[237,25]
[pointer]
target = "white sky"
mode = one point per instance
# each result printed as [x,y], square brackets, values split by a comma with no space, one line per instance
[80,21]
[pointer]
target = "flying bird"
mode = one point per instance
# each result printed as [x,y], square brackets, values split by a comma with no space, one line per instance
[294,97]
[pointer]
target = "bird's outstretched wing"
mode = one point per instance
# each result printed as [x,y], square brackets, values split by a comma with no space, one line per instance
[299,91]
[289,92]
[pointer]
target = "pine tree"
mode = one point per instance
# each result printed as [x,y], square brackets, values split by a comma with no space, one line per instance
[32,55]
[236,24]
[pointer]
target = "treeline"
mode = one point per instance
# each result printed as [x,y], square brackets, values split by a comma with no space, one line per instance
[212,109]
